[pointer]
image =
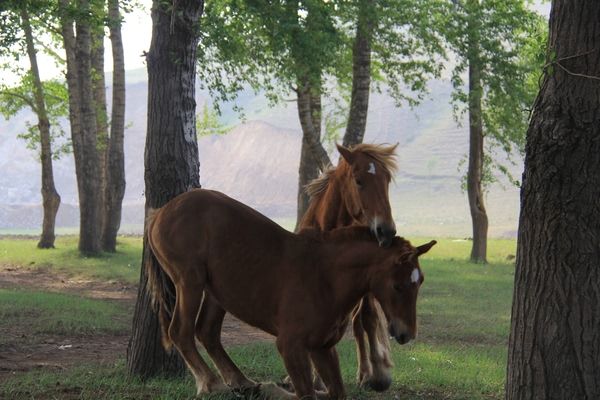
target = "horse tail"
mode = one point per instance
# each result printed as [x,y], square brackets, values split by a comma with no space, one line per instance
[160,287]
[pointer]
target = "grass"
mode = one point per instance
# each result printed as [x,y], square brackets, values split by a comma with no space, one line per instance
[464,312]
[422,371]
[124,265]
[60,314]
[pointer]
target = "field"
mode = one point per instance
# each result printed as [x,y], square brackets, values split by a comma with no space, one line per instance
[65,322]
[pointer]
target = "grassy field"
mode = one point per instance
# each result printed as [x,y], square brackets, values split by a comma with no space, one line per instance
[464,312]
[123,265]
[58,313]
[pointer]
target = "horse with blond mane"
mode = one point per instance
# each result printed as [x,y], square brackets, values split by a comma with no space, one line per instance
[356,193]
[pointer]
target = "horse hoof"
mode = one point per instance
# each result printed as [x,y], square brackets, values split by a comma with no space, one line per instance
[379,384]
[247,391]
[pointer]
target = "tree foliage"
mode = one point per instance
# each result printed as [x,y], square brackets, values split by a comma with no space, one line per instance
[268,46]
[265,46]
[207,122]
[16,98]
[510,54]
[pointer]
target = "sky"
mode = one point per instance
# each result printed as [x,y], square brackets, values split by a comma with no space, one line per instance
[137,32]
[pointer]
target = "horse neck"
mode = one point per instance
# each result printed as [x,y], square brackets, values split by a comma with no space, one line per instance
[350,266]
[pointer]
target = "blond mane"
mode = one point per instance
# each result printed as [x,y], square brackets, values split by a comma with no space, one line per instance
[383,154]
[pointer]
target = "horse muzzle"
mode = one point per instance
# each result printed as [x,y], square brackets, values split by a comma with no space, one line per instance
[401,333]
[384,234]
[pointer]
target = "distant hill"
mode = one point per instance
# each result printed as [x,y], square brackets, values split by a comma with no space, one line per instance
[257,163]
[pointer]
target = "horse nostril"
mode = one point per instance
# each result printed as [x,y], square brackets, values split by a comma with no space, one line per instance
[379,231]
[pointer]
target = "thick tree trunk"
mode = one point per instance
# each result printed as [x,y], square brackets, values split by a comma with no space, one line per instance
[554,346]
[83,124]
[475,171]
[171,156]
[115,157]
[88,177]
[50,197]
[361,77]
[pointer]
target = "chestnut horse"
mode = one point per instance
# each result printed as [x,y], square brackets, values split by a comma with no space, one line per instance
[299,288]
[356,192]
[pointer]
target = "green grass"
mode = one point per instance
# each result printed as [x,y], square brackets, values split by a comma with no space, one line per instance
[466,302]
[464,312]
[422,371]
[124,265]
[60,314]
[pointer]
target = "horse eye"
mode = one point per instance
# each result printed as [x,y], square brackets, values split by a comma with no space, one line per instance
[397,287]
[358,182]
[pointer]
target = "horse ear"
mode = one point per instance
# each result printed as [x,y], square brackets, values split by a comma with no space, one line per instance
[345,153]
[404,257]
[424,248]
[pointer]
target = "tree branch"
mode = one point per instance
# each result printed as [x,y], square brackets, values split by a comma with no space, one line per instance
[25,99]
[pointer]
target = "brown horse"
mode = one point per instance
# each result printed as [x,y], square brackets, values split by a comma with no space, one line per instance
[356,192]
[299,288]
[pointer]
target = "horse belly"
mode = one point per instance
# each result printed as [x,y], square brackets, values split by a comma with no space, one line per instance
[249,307]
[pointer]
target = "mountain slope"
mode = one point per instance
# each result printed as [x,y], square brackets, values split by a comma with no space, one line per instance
[257,163]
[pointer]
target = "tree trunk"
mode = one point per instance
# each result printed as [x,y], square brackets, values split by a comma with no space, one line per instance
[68,36]
[554,346]
[361,77]
[88,177]
[475,171]
[82,116]
[100,109]
[115,157]
[50,197]
[313,157]
[171,156]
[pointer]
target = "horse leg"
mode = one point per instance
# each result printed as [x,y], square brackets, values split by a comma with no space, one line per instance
[208,332]
[327,365]
[297,363]
[374,323]
[364,370]
[181,332]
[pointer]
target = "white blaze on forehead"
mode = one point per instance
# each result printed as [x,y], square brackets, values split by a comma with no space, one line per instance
[414,277]
[371,168]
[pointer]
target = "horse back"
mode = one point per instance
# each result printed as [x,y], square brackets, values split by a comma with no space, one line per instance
[247,261]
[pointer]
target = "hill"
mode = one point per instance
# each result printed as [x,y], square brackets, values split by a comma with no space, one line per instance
[257,163]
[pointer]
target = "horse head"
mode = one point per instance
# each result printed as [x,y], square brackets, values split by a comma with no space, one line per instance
[396,286]
[366,172]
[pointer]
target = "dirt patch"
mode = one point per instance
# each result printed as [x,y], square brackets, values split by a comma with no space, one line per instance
[21,351]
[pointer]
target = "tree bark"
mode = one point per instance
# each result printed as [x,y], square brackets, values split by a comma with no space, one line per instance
[476,158]
[171,156]
[50,197]
[115,157]
[82,117]
[310,114]
[68,36]
[361,77]
[100,109]
[554,346]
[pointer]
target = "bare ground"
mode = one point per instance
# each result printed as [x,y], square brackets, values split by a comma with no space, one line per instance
[21,351]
